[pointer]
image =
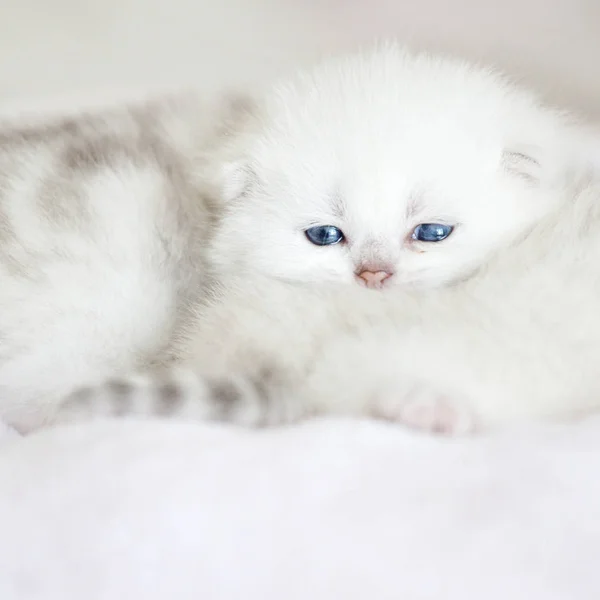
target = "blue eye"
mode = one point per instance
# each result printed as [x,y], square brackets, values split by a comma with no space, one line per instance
[431,232]
[324,235]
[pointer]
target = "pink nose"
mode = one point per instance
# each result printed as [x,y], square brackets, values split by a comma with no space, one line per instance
[374,279]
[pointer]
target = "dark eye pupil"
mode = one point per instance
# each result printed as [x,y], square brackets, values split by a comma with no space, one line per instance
[324,235]
[432,232]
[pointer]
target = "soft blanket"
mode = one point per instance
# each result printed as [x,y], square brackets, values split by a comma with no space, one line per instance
[330,509]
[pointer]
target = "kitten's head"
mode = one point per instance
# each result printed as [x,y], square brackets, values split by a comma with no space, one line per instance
[386,169]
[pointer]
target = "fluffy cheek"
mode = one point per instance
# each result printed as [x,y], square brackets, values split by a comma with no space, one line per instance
[293,258]
[435,268]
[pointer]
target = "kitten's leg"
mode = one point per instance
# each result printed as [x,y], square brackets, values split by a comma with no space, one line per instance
[182,394]
[365,376]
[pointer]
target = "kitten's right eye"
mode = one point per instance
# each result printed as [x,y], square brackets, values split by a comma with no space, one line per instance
[324,235]
[431,232]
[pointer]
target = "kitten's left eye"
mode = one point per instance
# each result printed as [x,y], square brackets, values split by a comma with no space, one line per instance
[324,235]
[431,232]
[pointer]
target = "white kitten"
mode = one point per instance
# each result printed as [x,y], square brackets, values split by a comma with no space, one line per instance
[518,341]
[105,220]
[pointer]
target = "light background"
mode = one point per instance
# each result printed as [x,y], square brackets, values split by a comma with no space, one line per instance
[84,48]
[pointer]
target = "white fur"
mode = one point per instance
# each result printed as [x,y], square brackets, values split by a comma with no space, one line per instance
[374,143]
[96,263]
[518,341]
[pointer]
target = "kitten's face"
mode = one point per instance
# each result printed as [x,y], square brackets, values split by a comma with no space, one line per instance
[366,175]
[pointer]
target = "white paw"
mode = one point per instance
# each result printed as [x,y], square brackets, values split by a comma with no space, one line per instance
[426,410]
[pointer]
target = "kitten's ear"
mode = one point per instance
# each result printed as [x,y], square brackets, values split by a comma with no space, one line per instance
[522,162]
[224,162]
[562,154]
